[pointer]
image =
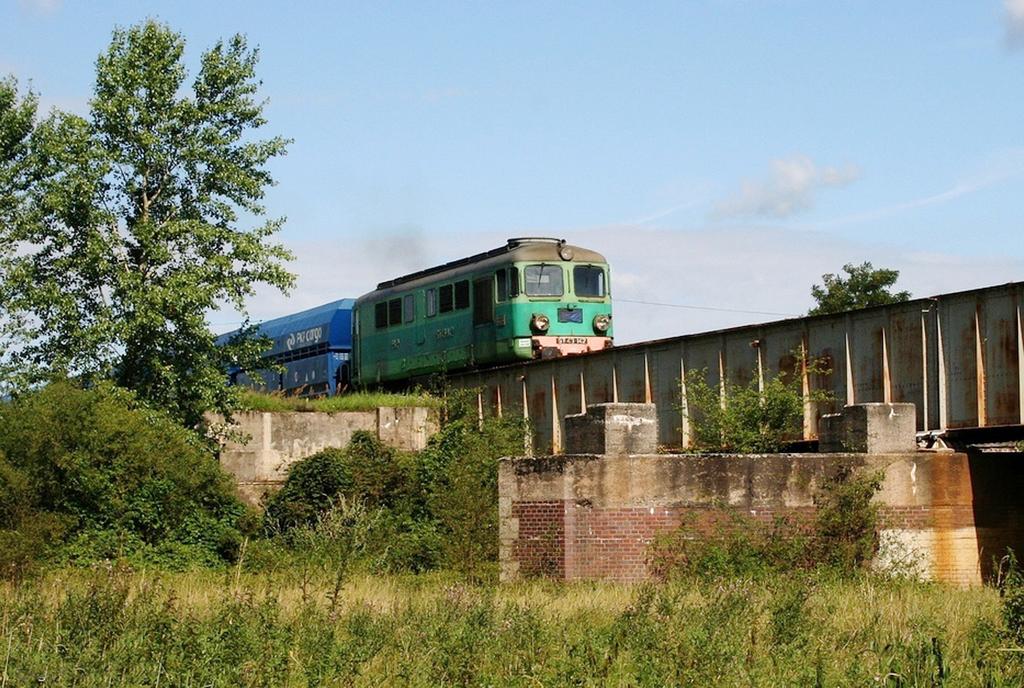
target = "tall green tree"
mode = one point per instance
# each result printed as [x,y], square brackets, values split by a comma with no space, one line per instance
[142,218]
[17,120]
[862,286]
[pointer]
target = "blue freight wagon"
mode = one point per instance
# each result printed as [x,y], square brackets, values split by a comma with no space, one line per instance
[312,347]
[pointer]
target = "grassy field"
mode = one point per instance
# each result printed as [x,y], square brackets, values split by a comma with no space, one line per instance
[355,401]
[113,626]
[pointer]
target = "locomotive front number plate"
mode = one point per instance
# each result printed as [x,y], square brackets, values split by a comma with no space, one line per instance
[570,340]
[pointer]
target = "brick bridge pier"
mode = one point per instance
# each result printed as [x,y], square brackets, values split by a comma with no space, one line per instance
[594,511]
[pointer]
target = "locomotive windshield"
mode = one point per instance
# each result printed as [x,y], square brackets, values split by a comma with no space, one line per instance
[543,280]
[588,281]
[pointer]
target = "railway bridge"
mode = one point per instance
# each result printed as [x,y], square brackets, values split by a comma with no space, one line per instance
[958,357]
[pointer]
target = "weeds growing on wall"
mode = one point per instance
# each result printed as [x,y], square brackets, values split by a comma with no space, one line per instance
[724,542]
[250,400]
[752,417]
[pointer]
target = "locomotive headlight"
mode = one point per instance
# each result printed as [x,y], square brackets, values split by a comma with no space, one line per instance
[540,322]
[602,322]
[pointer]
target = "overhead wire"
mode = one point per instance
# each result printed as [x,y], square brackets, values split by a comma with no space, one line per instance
[706,308]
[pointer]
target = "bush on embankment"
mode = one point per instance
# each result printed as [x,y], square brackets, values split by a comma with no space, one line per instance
[398,511]
[88,474]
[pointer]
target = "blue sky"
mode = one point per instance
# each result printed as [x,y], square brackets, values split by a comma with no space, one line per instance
[721,154]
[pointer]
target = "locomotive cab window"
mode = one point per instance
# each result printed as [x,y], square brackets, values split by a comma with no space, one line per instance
[431,303]
[462,294]
[544,280]
[446,297]
[588,281]
[409,308]
[513,282]
[380,315]
[395,312]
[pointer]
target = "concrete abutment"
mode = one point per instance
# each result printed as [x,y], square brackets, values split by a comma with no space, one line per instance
[586,515]
[270,442]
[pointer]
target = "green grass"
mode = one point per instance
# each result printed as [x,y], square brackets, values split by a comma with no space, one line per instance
[119,627]
[356,401]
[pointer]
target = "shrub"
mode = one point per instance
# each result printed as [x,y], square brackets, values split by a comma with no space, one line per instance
[366,470]
[310,488]
[749,419]
[26,534]
[724,542]
[847,520]
[439,505]
[117,477]
[1011,590]
[460,467]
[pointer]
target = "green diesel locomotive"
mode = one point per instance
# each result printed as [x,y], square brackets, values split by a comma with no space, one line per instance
[532,298]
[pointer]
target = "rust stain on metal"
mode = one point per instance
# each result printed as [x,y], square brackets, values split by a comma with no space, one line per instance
[599,392]
[963,376]
[1002,380]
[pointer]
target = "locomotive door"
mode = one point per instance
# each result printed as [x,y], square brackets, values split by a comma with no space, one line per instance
[483,320]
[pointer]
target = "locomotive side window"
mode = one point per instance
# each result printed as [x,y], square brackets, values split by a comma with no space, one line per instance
[447,298]
[395,312]
[409,308]
[483,301]
[431,303]
[543,280]
[588,281]
[380,315]
[513,282]
[501,283]
[462,294]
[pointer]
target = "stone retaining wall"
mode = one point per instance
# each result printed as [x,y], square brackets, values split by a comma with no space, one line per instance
[276,440]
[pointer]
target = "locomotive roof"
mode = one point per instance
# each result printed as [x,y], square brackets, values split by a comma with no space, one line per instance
[520,249]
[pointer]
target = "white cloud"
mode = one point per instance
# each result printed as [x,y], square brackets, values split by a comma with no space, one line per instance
[997,168]
[1014,16]
[789,189]
[40,6]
